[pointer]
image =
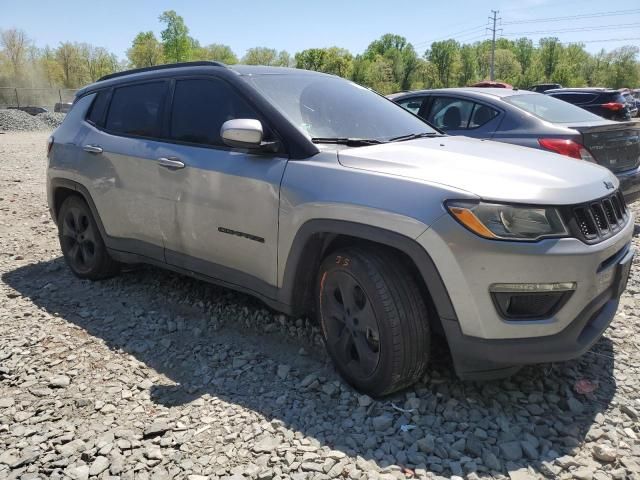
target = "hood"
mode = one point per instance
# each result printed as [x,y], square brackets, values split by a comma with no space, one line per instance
[490,170]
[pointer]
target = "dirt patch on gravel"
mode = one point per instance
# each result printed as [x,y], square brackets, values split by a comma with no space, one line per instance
[154,375]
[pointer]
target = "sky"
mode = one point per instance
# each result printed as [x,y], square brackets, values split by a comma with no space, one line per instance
[296,25]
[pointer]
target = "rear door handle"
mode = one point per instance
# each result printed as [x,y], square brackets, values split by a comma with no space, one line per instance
[170,162]
[92,148]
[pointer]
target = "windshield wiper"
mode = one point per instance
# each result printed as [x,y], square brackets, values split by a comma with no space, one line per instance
[351,142]
[411,136]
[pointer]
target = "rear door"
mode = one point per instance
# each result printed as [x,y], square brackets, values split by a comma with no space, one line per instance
[121,151]
[223,221]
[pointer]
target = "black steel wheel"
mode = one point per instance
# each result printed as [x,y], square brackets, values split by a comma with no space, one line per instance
[81,242]
[374,319]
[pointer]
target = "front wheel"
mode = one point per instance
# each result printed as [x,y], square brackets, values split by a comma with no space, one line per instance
[374,319]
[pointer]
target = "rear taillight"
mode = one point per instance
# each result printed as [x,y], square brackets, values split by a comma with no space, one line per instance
[49,145]
[566,147]
[613,106]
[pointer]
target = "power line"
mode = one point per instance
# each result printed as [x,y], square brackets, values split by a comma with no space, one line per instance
[575,17]
[602,40]
[622,26]
[470,30]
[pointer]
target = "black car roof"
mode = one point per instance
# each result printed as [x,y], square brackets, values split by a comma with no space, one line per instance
[203,67]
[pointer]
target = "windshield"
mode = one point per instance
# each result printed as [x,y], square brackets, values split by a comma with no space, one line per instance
[550,109]
[325,107]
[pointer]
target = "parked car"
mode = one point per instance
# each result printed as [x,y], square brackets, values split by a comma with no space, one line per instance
[605,102]
[543,87]
[31,110]
[630,101]
[533,120]
[323,198]
[491,84]
[62,107]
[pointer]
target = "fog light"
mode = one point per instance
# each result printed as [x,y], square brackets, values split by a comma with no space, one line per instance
[530,301]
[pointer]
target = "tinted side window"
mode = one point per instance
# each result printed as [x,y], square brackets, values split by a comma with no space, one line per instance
[412,104]
[201,106]
[481,115]
[98,108]
[450,113]
[576,98]
[137,109]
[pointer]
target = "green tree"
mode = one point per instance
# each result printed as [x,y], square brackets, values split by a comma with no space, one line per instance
[400,54]
[550,51]
[216,52]
[334,60]
[145,51]
[524,52]
[507,67]
[266,56]
[623,67]
[97,61]
[15,44]
[444,56]
[68,57]
[468,65]
[175,37]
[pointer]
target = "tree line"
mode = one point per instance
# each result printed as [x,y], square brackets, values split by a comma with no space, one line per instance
[389,63]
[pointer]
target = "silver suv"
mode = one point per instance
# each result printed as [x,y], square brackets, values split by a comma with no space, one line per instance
[321,197]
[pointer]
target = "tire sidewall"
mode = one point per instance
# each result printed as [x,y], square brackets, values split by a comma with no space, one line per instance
[100,249]
[352,264]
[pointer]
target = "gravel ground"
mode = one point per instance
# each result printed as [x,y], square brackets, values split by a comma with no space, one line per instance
[152,375]
[16,120]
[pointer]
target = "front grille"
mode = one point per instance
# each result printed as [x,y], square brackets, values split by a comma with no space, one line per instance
[595,221]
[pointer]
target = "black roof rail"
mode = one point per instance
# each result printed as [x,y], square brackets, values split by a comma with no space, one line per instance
[162,67]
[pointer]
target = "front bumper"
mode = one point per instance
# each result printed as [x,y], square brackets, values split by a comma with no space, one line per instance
[484,344]
[481,359]
[630,184]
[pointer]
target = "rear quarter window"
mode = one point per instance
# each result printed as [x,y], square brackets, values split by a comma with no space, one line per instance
[137,109]
[98,108]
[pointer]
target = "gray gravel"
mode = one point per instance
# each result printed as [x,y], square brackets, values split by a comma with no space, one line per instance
[18,121]
[152,375]
[51,119]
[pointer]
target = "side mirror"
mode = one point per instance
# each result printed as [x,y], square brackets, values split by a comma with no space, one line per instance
[242,133]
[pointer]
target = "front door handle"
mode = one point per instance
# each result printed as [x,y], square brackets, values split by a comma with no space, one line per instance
[171,162]
[92,148]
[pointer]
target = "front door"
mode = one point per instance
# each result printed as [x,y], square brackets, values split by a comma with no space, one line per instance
[224,222]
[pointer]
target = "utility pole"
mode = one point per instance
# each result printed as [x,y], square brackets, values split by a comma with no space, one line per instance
[493,30]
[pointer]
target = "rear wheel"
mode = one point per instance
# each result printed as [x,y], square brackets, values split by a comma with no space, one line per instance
[81,242]
[374,319]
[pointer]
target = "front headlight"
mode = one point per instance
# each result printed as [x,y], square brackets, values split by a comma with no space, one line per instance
[508,222]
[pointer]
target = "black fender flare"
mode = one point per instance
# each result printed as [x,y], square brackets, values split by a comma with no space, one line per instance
[290,291]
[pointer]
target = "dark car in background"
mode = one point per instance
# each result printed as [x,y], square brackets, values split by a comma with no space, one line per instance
[605,102]
[543,87]
[532,120]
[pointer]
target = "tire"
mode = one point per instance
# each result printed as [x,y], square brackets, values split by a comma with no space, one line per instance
[81,242]
[374,319]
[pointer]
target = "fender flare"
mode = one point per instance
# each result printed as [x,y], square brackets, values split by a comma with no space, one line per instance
[290,290]
[57,183]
